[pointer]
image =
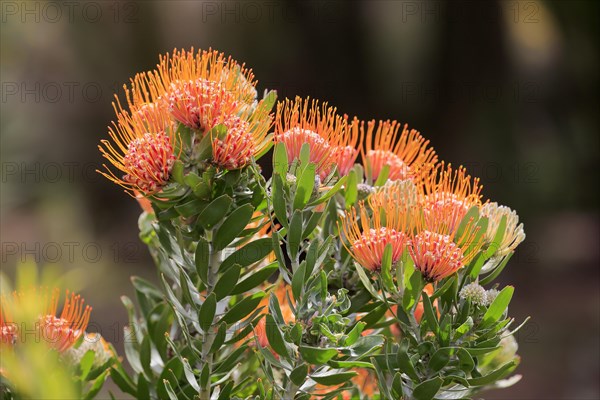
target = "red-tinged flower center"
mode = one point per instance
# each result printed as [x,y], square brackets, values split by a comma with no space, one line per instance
[435,255]
[446,208]
[320,150]
[369,248]
[380,158]
[199,104]
[149,161]
[237,148]
[8,333]
[344,157]
[58,332]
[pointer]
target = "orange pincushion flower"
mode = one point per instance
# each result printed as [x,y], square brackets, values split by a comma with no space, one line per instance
[447,195]
[369,235]
[406,153]
[331,140]
[8,329]
[60,332]
[435,246]
[141,148]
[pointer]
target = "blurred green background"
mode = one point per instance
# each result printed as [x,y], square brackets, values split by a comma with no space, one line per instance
[507,88]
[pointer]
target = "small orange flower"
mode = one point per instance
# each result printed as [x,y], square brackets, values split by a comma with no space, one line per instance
[141,148]
[60,332]
[8,329]
[446,196]
[332,141]
[435,246]
[406,154]
[369,235]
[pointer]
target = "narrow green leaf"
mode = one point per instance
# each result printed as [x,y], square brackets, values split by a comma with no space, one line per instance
[333,377]
[244,307]
[317,355]
[383,175]
[253,280]
[201,259]
[304,187]
[219,338]
[298,280]
[275,337]
[493,376]
[430,314]
[428,389]
[215,211]
[251,253]
[280,159]
[207,312]
[298,375]
[294,236]
[279,199]
[233,226]
[493,275]
[351,189]
[440,358]
[190,208]
[227,282]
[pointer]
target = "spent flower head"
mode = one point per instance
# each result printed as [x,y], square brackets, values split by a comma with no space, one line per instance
[475,293]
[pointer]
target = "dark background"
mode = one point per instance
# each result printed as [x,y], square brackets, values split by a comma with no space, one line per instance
[507,88]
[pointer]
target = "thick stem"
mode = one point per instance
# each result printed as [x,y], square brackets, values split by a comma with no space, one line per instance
[209,337]
[290,391]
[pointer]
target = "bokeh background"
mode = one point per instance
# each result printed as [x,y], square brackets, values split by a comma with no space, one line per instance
[507,88]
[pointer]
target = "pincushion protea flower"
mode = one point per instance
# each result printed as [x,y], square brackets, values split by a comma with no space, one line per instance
[332,141]
[437,248]
[141,148]
[60,332]
[513,233]
[368,235]
[203,90]
[448,194]
[406,153]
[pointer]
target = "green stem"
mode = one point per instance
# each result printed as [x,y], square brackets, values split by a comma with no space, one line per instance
[209,337]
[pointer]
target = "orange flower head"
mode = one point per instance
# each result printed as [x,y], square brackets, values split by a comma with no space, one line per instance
[407,154]
[436,247]
[200,104]
[369,235]
[446,197]
[435,255]
[331,140]
[62,332]
[141,148]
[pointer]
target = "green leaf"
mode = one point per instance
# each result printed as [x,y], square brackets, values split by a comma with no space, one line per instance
[120,378]
[279,197]
[354,334]
[440,358]
[298,375]
[298,280]
[383,175]
[428,389]
[386,269]
[494,375]
[219,338]
[317,355]
[253,280]
[304,187]
[463,329]
[304,154]
[233,226]
[498,307]
[244,307]
[86,363]
[146,355]
[189,375]
[447,285]
[207,312]
[366,281]
[215,211]
[329,193]
[466,362]
[333,377]
[351,192]
[190,208]
[280,160]
[405,362]
[430,315]
[294,236]
[201,258]
[275,337]
[95,388]
[177,171]
[227,282]
[143,391]
[350,364]
[249,254]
